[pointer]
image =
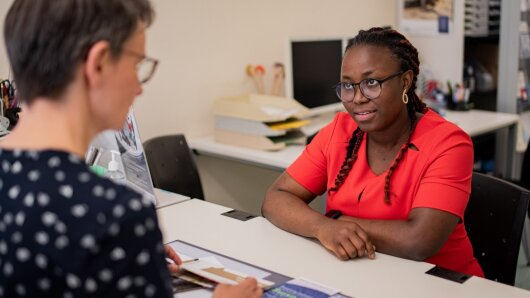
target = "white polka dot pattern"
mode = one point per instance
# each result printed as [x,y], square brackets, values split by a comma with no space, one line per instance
[79,210]
[88,242]
[60,227]
[66,191]
[33,175]
[90,285]
[29,199]
[105,275]
[23,254]
[60,176]
[49,218]
[44,284]
[118,211]
[61,242]
[43,199]
[42,238]
[16,168]
[142,258]
[64,232]
[72,281]
[124,283]
[13,192]
[117,254]
[41,261]
[54,162]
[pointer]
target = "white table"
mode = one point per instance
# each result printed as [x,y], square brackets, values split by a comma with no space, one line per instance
[478,122]
[260,243]
[166,198]
[474,122]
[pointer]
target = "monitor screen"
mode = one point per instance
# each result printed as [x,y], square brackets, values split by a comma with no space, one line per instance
[313,68]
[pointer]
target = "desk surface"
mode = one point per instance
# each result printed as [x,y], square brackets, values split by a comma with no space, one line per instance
[166,198]
[259,242]
[474,122]
[477,122]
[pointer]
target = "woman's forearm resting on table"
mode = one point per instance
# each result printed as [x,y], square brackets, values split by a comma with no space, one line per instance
[417,238]
[290,213]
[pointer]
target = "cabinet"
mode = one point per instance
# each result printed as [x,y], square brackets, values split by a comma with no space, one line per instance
[500,55]
[481,51]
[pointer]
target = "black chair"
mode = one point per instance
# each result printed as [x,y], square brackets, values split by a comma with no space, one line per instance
[525,170]
[172,165]
[494,220]
[525,182]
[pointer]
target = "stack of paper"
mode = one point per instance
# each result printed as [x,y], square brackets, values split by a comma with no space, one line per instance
[259,121]
[213,270]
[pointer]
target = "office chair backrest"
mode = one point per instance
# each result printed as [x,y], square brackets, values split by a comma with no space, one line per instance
[494,221]
[172,165]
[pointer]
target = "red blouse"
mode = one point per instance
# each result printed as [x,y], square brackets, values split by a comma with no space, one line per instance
[437,175]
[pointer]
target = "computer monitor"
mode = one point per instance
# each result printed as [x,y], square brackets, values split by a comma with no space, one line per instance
[312,68]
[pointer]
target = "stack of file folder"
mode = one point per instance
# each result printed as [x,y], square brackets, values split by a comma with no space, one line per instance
[259,121]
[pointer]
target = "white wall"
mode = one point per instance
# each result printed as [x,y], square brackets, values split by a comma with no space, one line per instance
[204,46]
[4,64]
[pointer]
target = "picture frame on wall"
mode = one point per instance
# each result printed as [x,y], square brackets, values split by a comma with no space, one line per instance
[426,17]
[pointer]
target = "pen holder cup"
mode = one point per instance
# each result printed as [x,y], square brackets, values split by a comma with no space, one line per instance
[458,106]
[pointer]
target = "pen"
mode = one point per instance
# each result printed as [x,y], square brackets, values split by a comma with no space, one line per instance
[189,261]
[170,261]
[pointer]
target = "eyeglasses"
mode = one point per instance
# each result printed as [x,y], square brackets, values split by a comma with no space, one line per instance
[145,69]
[370,88]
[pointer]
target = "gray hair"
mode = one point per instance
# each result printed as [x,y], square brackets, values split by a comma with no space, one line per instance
[47,39]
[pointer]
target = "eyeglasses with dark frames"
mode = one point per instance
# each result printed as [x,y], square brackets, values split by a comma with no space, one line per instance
[370,88]
[145,69]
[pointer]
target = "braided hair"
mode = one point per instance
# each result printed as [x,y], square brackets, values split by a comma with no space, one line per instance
[407,55]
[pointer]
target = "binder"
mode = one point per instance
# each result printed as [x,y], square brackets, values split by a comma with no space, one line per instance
[258,142]
[269,129]
[260,107]
[259,121]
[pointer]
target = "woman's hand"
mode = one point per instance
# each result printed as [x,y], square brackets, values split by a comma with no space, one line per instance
[248,288]
[172,255]
[347,240]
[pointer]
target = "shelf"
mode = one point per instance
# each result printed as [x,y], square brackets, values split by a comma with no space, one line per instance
[493,39]
[484,100]
[523,106]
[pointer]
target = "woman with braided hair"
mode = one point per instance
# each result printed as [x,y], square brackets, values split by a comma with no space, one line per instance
[397,175]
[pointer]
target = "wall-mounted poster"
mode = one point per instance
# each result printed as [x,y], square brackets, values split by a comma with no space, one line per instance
[426,17]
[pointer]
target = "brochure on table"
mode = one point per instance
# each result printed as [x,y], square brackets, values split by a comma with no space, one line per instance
[207,268]
[126,147]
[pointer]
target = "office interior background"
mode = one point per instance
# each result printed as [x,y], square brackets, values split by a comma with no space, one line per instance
[204,46]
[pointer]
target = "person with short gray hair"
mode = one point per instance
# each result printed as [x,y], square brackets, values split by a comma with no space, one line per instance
[64,231]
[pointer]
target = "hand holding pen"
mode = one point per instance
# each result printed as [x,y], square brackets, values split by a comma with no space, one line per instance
[172,259]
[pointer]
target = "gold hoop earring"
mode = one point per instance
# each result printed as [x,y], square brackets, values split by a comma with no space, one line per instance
[405,97]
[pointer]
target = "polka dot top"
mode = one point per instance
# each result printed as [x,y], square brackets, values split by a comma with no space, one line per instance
[65,232]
